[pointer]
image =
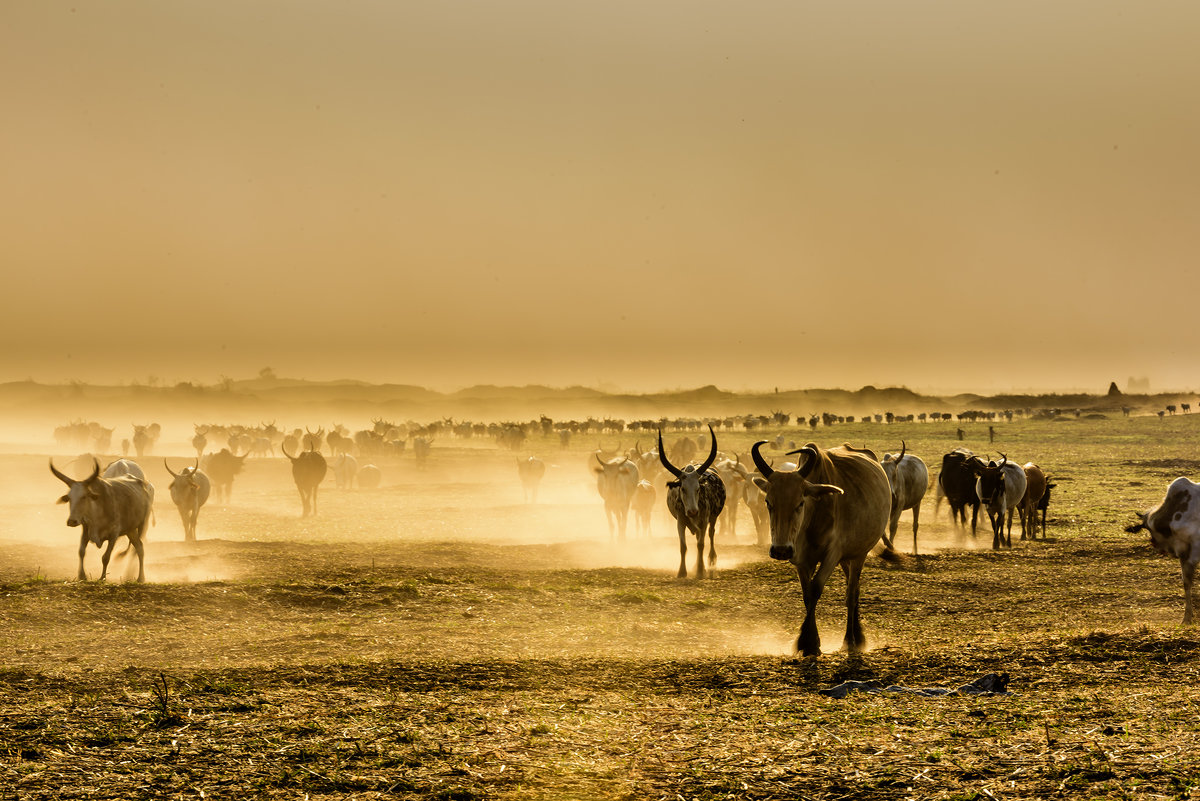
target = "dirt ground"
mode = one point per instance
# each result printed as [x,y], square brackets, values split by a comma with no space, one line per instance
[438,637]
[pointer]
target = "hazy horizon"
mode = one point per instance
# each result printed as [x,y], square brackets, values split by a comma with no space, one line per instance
[947,197]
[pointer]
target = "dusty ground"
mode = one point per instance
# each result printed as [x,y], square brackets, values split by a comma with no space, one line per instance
[438,637]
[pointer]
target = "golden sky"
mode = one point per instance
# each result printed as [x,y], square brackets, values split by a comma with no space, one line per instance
[649,194]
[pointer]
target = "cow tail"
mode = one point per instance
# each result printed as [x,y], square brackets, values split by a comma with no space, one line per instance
[888,554]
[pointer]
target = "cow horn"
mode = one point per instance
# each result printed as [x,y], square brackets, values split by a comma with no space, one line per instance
[759,461]
[95,470]
[1004,461]
[903,447]
[169,470]
[662,457]
[59,475]
[712,454]
[808,464]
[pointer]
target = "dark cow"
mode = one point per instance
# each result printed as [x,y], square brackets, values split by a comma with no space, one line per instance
[829,513]
[1044,503]
[695,499]
[189,491]
[222,467]
[956,483]
[1174,527]
[531,471]
[1035,488]
[107,509]
[308,471]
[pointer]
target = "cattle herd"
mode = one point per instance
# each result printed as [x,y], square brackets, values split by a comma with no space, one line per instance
[826,509]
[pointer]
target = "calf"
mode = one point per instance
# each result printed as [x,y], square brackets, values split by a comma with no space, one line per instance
[531,471]
[642,505]
[1174,527]
[1035,488]
[107,509]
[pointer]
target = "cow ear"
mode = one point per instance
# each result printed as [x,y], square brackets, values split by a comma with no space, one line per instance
[672,483]
[821,490]
[63,499]
[762,483]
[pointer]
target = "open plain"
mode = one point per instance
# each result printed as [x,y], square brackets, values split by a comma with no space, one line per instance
[438,637]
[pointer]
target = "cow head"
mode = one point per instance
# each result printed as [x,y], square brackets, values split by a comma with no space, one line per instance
[991,479]
[184,482]
[793,502]
[81,495]
[688,479]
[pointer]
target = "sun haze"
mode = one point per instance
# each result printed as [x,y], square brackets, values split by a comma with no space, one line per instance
[642,194]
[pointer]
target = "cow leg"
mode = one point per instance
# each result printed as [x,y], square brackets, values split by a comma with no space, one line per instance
[893,525]
[700,549]
[1189,571]
[314,501]
[855,639]
[916,510]
[104,557]
[83,543]
[1008,530]
[141,555]
[809,642]
[712,545]
[682,550]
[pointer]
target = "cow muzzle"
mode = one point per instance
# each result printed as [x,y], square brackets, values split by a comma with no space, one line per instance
[782,552]
[72,522]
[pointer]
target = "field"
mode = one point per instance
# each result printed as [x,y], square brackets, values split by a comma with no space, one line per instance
[440,638]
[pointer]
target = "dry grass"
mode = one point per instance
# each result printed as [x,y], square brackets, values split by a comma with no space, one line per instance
[473,668]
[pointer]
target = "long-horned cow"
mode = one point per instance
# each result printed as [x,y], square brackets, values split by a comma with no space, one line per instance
[956,483]
[829,513]
[1000,488]
[1174,527]
[616,480]
[909,479]
[695,499]
[308,471]
[189,491]
[222,467]
[107,509]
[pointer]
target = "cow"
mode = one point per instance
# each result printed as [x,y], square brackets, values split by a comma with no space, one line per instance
[1035,488]
[831,512]
[695,498]
[734,480]
[369,476]
[308,471]
[1000,488]
[107,509]
[642,505]
[616,480]
[956,483]
[200,441]
[222,467]
[1174,527]
[531,471]
[909,479]
[1044,504]
[421,448]
[189,491]
[123,467]
[345,470]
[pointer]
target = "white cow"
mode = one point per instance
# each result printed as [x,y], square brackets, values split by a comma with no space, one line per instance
[1000,488]
[909,479]
[189,490]
[616,481]
[1174,527]
[344,471]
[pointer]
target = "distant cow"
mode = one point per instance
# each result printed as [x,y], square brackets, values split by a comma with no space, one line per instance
[956,483]
[107,509]
[642,505]
[189,491]
[308,471]
[1000,488]
[222,467]
[829,513]
[909,479]
[1035,488]
[369,476]
[1174,527]
[124,467]
[345,470]
[695,499]
[616,480]
[531,471]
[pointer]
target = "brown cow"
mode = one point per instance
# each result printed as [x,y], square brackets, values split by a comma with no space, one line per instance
[829,513]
